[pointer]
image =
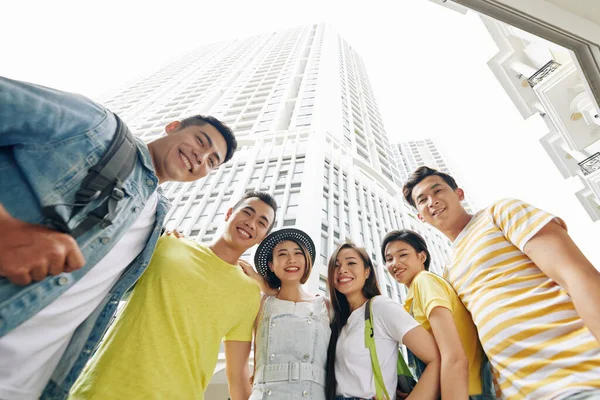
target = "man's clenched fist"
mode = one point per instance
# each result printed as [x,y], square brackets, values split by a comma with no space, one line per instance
[31,252]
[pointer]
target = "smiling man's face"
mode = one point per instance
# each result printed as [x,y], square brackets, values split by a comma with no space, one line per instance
[187,154]
[437,203]
[248,224]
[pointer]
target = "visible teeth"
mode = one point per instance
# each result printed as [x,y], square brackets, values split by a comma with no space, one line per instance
[344,280]
[186,161]
[292,269]
[244,233]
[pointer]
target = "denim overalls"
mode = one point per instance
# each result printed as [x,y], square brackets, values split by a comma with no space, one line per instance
[291,350]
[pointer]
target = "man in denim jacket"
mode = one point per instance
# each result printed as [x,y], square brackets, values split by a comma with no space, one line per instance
[57,294]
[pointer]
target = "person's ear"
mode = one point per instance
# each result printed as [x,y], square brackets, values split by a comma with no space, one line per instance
[270,264]
[423,257]
[461,194]
[228,215]
[172,127]
[420,218]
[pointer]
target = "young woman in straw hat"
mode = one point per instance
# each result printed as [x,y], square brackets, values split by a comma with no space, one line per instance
[292,327]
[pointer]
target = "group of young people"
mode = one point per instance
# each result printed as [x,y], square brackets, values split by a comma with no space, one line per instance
[516,314]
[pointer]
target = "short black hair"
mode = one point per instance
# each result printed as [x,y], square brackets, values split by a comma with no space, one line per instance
[264,197]
[219,125]
[410,237]
[420,174]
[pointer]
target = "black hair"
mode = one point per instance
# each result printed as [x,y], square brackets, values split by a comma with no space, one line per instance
[265,197]
[410,237]
[223,129]
[420,174]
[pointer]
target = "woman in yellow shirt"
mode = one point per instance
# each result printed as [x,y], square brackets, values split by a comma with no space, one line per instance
[434,304]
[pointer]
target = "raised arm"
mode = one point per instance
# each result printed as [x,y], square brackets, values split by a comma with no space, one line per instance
[555,253]
[260,280]
[238,374]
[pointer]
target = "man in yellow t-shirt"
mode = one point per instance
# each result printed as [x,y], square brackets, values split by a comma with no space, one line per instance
[165,342]
[531,292]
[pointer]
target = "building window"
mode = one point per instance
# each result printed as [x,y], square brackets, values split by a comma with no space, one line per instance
[323,285]
[289,222]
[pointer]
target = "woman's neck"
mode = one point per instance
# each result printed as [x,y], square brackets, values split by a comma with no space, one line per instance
[356,300]
[292,292]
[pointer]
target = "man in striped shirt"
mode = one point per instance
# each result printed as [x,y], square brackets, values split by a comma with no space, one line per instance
[533,295]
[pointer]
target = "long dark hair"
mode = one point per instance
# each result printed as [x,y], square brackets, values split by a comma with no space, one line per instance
[341,308]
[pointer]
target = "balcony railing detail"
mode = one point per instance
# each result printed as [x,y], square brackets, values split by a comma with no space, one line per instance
[590,164]
[543,73]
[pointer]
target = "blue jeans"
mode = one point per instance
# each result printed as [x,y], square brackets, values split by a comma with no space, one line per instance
[48,141]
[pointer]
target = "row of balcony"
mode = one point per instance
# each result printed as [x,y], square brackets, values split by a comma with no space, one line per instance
[543,78]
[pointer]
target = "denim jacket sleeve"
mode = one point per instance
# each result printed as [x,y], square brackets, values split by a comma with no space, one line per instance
[31,114]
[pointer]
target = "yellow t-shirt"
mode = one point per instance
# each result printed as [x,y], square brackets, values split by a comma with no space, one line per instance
[165,342]
[428,291]
[527,323]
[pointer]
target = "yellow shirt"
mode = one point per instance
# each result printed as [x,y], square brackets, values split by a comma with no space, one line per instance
[428,291]
[165,342]
[527,323]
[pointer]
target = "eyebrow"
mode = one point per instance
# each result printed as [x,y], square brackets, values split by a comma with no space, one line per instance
[389,253]
[295,248]
[210,144]
[431,188]
[254,211]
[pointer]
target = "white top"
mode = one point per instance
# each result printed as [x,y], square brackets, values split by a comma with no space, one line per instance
[37,345]
[353,370]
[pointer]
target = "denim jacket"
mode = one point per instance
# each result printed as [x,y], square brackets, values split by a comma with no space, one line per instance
[48,141]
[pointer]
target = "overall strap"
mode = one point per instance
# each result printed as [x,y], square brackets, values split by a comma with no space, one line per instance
[381,392]
[255,329]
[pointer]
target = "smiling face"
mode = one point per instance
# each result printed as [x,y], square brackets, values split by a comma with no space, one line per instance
[248,224]
[437,203]
[403,261]
[350,272]
[289,262]
[187,154]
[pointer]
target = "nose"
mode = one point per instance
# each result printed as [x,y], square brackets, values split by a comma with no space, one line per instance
[249,223]
[201,158]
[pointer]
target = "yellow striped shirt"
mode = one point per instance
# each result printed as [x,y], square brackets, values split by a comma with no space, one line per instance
[527,324]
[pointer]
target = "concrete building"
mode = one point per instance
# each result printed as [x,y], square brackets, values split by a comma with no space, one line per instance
[549,64]
[413,154]
[309,132]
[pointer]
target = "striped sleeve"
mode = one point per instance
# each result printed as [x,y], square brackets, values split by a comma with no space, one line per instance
[520,221]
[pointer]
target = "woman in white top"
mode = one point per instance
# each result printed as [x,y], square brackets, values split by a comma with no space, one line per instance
[352,281]
[292,326]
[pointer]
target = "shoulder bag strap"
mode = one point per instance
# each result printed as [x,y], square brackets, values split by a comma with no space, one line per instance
[381,392]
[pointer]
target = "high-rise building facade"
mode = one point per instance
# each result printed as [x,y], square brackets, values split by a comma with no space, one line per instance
[309,131]
[413,154]
[548,62]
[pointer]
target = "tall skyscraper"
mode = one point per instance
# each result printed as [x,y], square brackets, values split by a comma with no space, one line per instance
[413,154]
[309,132]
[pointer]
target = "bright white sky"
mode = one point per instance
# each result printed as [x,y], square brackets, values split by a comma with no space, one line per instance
[427,65]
